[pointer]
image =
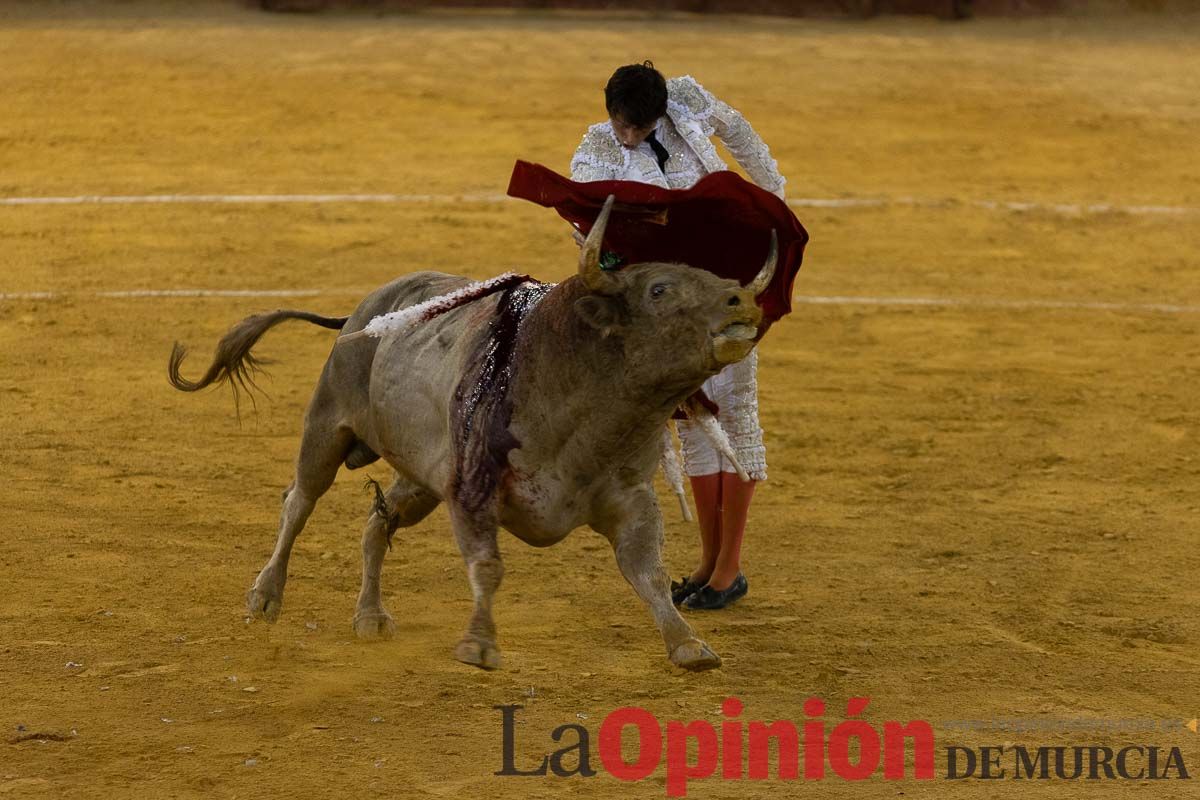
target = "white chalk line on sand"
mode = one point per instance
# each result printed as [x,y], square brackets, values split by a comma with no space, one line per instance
[144,293]
[835,300]
[798,202]
[138,199]
[999,303]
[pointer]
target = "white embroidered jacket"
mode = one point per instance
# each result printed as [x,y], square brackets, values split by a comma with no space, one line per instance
[693,116]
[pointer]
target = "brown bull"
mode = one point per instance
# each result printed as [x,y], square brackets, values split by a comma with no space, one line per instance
[539,409]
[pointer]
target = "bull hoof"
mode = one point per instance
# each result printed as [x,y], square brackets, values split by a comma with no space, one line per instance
[263,603]
[374,625]
[695,655]
[478,653]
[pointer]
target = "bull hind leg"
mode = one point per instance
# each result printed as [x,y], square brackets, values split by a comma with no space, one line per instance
[322,450]
[403,504]
[475,533]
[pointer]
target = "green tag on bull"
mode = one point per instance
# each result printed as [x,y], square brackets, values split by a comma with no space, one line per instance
[610,261]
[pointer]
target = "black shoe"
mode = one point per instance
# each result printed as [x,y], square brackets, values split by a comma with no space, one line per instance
[710,599]
[683,588]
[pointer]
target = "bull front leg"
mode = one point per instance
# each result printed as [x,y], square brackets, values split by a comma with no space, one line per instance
[634,528]
[475,532]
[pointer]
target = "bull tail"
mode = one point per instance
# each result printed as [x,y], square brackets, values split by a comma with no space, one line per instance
[233,363]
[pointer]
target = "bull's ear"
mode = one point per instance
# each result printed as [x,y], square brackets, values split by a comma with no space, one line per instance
[601,313]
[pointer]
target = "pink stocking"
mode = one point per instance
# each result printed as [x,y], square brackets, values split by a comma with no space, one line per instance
[735,508]
[706,490]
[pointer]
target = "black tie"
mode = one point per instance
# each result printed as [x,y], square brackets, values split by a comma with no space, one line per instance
[660,152]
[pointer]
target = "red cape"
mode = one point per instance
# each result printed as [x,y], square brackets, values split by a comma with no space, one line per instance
[722,224]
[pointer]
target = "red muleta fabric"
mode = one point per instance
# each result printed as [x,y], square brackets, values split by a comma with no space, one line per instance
[722,224]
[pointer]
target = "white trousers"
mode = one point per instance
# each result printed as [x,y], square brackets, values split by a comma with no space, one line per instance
[735,391]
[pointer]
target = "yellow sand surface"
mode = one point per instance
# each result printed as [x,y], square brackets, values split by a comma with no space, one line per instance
[981,506]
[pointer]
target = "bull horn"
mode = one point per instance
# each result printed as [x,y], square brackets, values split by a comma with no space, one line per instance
[763,279]
[589,255]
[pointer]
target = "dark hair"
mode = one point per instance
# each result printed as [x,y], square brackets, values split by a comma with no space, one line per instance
[637,93]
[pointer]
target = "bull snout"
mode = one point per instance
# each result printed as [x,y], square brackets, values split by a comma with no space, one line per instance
[735,338]
[738,306]
[742,300]
[738,326]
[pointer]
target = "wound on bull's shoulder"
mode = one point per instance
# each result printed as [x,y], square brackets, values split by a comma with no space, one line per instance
[482,407]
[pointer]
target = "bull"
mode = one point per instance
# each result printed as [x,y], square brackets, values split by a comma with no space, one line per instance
[539,410]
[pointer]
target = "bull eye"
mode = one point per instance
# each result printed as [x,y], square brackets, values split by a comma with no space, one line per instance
[658,290]
[735,301]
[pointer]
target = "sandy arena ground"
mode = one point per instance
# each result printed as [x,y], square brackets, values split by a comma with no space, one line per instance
[976,509]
